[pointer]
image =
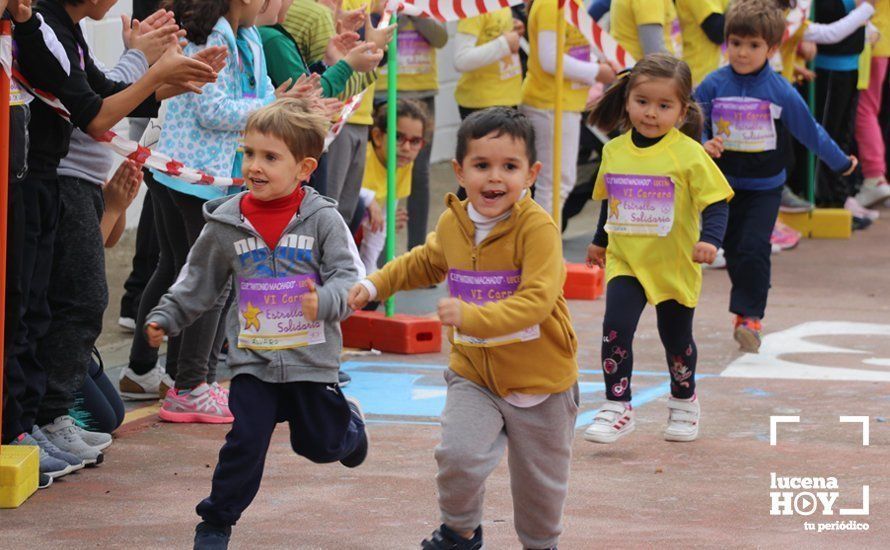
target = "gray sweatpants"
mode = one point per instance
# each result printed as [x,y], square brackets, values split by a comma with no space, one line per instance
[475,428]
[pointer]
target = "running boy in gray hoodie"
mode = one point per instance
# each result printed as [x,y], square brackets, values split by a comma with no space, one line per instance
[292,262]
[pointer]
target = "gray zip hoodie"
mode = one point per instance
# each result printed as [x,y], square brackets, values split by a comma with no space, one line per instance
[316,242]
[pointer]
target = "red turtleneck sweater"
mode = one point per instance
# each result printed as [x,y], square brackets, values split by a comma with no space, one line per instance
[270,218]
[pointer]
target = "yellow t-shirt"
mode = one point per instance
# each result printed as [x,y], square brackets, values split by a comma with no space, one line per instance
[362,115]
[375,177]
[881,20]
[539,88]
[656,195]
[497,84]
[702,55]
[627,15]
[418,70]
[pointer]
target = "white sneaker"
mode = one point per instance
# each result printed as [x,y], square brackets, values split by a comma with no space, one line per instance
[614,420]
[97,440]
[874,191]
[144,387]
[683,417]
[62,433]
[859,211]
[127,323]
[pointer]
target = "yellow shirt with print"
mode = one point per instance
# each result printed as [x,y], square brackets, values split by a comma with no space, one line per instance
[362,115]
[662,264]
[702,55]
[418,70]
[497,84]
[539,88]
[881,20]
[627,15]
[375,177]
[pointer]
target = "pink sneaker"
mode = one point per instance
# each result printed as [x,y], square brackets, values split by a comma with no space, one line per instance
[784,236]
[221,393]
[199,405]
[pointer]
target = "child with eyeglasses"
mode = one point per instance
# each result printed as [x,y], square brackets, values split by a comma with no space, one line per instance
[412,123]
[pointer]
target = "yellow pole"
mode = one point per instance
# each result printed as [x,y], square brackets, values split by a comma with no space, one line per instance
[557,113]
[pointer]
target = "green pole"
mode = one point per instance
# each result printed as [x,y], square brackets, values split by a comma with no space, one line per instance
[811,101]
[392,69]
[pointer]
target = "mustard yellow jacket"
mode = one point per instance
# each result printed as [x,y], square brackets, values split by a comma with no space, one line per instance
[529,241]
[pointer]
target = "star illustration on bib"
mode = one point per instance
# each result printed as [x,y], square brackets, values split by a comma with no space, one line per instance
[723,127]
[613,207]
[251,316]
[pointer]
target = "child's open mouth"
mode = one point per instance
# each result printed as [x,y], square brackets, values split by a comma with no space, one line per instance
[258,182]
[492,195]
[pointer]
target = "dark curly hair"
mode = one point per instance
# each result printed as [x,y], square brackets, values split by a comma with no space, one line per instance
[197,17]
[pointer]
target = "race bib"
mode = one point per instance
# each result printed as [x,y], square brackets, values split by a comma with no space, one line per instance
[640,205]
[746,124]
[270,312]
[482,287]
[415,53]
[510,67]
[581,53]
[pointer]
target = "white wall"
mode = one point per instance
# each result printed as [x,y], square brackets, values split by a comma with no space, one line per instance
[104,38]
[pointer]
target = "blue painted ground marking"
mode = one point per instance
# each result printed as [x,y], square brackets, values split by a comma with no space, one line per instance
[414,393]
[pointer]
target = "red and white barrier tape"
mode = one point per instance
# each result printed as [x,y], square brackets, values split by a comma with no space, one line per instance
[455,10]
[603,41]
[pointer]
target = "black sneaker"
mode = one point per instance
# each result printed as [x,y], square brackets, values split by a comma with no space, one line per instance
[343,379]
[212,537]
[44,481]
[360,453]
[444,538]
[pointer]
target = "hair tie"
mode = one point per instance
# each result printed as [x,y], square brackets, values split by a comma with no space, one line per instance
[623,73]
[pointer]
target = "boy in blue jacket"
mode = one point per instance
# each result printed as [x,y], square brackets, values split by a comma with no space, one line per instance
[748,109]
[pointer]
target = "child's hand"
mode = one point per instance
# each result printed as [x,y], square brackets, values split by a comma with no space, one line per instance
[339,46]
[215,56]
[179,71]
[151,41]
[518,27]
[350,20]
[364,58]
[606,74]
[512,41]
[307,87]
[704,253]
[381,37]
[807,50]
[20,10]
[449,311]
[154,334]
[358,297]
[401,218]
[310,302]
[854,162]
[123,187]
[375,215]
[596,256]
[714,147]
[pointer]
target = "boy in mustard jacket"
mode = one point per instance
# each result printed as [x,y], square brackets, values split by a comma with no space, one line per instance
[512,366]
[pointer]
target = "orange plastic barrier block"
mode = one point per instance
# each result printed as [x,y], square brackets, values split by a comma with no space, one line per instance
[406,334]
[357,329]
[582,282]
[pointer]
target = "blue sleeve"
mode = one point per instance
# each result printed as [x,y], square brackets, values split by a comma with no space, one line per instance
[713,223]
[703,95]
[598,8]
[797,118]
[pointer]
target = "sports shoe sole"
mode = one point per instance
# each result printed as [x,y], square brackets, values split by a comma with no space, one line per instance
[748,341]
[608,438]
[101,447]
[128,324]
[194,418]
[682,438]
[59,473]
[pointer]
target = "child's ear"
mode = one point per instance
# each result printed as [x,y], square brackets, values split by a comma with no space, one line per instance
[533,172]
[771,52]
[305,169]
[376,136]
[458,171]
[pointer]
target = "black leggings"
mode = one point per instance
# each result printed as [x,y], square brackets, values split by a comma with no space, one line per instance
[97,403]
[625,300]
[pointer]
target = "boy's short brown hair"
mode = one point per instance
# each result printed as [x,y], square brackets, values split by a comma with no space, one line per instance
[760,18]
[293,121]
